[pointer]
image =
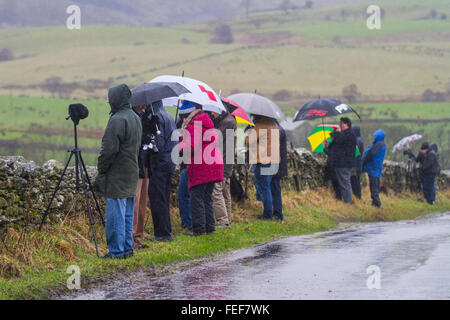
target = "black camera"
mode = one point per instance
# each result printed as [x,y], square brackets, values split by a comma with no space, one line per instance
[77,112]
[150,143]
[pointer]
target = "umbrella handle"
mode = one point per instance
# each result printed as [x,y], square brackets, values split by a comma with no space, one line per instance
[178,104]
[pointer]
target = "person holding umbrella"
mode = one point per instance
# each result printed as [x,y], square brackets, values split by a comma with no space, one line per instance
[428,158]
[204,166]
[158,128]
[154,157]
[343,146]
[263,142]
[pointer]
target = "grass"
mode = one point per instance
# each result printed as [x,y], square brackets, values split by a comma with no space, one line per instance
[33,264]
[35,127]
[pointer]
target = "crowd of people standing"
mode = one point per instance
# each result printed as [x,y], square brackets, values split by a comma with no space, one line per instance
[136,165]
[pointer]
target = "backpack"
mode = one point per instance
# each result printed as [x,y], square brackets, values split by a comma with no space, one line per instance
[237,192]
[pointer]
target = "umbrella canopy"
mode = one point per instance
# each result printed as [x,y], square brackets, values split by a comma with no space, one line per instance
[199,92]
[321,108]
[319,135]
[406,142]
[255,104]
[322,133]
[236,110]
[148,93]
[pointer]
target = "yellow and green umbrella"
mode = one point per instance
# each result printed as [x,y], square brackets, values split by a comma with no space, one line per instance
[320,134]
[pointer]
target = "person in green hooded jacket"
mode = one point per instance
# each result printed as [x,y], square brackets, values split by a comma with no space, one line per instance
[118,171]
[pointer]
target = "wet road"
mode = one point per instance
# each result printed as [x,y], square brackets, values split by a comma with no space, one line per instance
[413,258]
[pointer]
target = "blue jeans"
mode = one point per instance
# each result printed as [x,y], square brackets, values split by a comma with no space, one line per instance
[119,225]
[268,191]
[184,200]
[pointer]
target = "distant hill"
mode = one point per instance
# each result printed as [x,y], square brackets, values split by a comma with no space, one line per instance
[137,12]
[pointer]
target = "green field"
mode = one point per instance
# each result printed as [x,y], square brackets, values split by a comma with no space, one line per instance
[308,52]
[37,129]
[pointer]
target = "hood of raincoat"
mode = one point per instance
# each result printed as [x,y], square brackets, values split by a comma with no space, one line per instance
[434,147]
[119,97]
[356,131]
[379,135]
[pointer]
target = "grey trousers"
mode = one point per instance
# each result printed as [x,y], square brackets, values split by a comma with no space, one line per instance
[344,179]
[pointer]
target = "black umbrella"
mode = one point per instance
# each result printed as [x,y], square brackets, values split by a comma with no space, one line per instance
[148,93]
[321,108]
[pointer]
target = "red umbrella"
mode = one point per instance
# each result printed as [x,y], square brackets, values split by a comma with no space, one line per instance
[237,111]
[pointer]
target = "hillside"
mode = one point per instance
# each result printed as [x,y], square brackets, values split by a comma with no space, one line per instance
[136,12]
[305,52]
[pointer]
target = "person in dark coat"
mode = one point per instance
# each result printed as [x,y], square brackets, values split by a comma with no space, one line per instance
[118,171]
[226,124]
[356,174]
[160,126]
[373,159]
[330,172]
[282,173]
[430,168]
[428,158]
[344,147]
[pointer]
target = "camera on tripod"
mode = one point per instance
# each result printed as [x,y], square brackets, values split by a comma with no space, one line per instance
[82,180]
[77,112]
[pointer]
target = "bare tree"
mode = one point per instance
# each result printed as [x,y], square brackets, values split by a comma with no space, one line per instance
[6,54]
[222,34]
[246,4]
[309,4]
[286,5]
[351,93]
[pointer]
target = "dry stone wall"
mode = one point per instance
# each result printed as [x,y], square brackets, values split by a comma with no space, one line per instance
[26,188]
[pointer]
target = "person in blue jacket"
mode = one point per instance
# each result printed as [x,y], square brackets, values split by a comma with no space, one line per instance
[373,159]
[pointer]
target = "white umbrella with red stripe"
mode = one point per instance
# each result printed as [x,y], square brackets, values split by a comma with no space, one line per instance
[200,93]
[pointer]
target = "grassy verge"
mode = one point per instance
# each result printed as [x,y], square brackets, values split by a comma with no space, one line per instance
[33,265]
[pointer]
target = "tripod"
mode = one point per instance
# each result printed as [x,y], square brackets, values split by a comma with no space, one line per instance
[81,174]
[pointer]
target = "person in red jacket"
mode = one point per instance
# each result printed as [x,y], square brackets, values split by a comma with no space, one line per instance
[204,164]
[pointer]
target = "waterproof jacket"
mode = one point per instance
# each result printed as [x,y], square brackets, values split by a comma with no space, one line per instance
[260,139]
[430,163]
[118,171]
[161,160]
[344,147]
[373,157]
[204,157]
[360,144]
[223,123]
[283,169]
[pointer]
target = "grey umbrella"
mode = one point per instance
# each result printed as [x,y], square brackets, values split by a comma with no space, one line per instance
[255,104]
[148,93]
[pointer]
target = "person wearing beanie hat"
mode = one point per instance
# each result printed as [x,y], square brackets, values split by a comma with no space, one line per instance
[429,167]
